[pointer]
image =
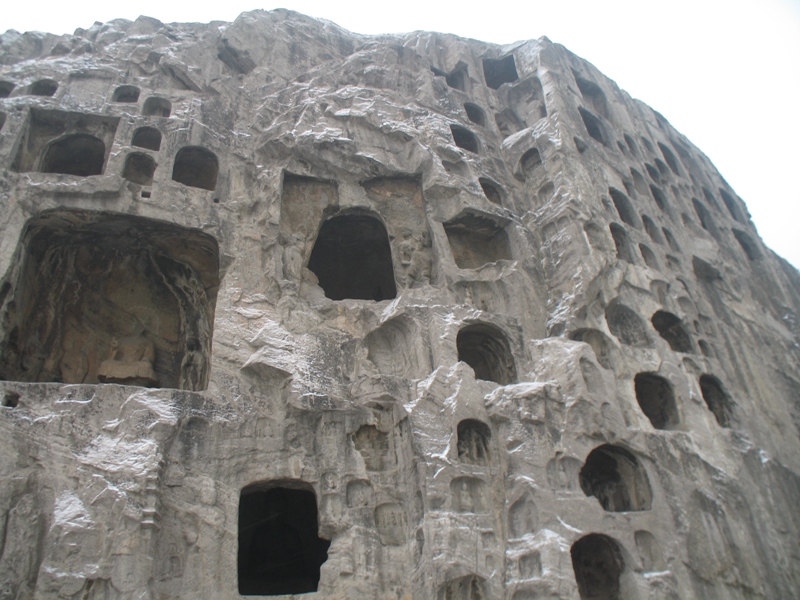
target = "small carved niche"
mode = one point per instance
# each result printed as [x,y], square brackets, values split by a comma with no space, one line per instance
[599,343]
[373,445]
[523,518]
[624,207]
[393,349]
[280,551]
[464,138]
[491,190]
[469,495]
[156,107]
[626,325]
[614,476]
[717,400]
[748,245]
[671,328]
[598,565]
[70,143]
[475,113]
[101,297]
[670,158]
[621,242]
[657,400]
[473,442]
[390,519]
[593,125]
[126,93]
[147,137]
[196,167]
[593,95]
[731,205]
[139,168]
[476,240]
[497,71]
[6,87]
[43,87]
[485,348]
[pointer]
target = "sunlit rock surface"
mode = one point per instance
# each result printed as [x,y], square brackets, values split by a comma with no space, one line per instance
[288,309]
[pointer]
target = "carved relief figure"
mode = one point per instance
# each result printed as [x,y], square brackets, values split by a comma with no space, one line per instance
[130,362]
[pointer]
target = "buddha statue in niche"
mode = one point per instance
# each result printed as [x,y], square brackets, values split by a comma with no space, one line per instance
[130,361]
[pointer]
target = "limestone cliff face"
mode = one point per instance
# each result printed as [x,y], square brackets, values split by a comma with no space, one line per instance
[287,309]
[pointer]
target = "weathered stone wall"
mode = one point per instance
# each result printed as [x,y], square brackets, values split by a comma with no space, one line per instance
[287,308]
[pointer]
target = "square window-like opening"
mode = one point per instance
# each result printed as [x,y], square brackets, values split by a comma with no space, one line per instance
[280,551]
[108,298]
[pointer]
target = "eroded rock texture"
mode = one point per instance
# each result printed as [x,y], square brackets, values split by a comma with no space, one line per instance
[288,310]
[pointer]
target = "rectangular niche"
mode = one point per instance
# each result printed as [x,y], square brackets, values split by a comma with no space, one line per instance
[72,143]
[110,298]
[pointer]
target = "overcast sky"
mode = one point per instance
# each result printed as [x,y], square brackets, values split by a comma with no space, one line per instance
[726,73]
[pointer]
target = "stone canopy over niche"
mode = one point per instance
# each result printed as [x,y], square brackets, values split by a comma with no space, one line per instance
[102,297]
[71,143]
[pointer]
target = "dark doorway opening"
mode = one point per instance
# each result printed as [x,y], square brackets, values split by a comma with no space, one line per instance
[280,551]
[352,259]
[485,348]
[77,154]
[598,565]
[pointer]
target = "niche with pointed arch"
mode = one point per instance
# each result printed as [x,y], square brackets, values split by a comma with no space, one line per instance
[352,259]
[614,476]
[598,565]
[485,348]
[110,298]
[280,551]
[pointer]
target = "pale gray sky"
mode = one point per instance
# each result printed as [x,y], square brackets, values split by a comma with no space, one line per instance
[726,73]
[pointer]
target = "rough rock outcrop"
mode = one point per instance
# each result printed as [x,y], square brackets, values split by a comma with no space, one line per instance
[288,309]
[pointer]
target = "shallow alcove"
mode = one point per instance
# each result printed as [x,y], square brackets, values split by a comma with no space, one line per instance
[469,495]
[670,158]
[598,565]
[622,148]
[662,168]
[497,71]
[624,207]
[491,190]
[2,120]
[139,168]
[730,204]
[476,240]
[627,326]
[599,343]
[76,154]
[196,167]
[280,551]
[352,259]
[671,241]
[529,161]
[508,123]
[652,230]
[485,348]
[102,297]
[747,244]
[657,400]
[470,587]
[473,442]
[638,182]
[652,172]
[475,113]
[11,399]
[593,126]
[706,222]
[580,145]
[464,138]
[647,144]
[710,199]
[126,93]
[631,144]
[621,242]
[147,137]
[649,256]
[671,328]
[6,87]
[593,94]
[614,476]
[717,400]
[157,107]
[43,87]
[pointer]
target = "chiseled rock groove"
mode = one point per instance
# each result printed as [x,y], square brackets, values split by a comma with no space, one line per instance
[287,309]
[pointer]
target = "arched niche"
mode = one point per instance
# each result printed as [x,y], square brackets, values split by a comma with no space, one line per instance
[476,240]
[598,565]
[6,87]
[475,113]
[599,343]
[659,197]
[652,230]
[670,158]
[624,207]
[104,297]
[649,256]
[593,126]
[497,71]
[491,190]
[126,93]
[473,442]
[139,168]
[196,167]
[470,587]
[671,328]
[352,259]
[614,476]
[78,154]
[469,495]
[717,399]
[43,87]
[621,242]
[748,245]
[156,107]
[485,348]
[2,120]
[626,325]
[280,551]
[657,400]
[464,138]
[593,95]
[147,137]
[529,161]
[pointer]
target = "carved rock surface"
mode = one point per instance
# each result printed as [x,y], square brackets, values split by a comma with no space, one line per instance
[288,309]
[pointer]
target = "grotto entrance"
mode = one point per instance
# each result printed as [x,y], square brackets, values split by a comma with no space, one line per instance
[101,297]
[280,551]
[352,259]
[614,476]
[485,348]
[598,565]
